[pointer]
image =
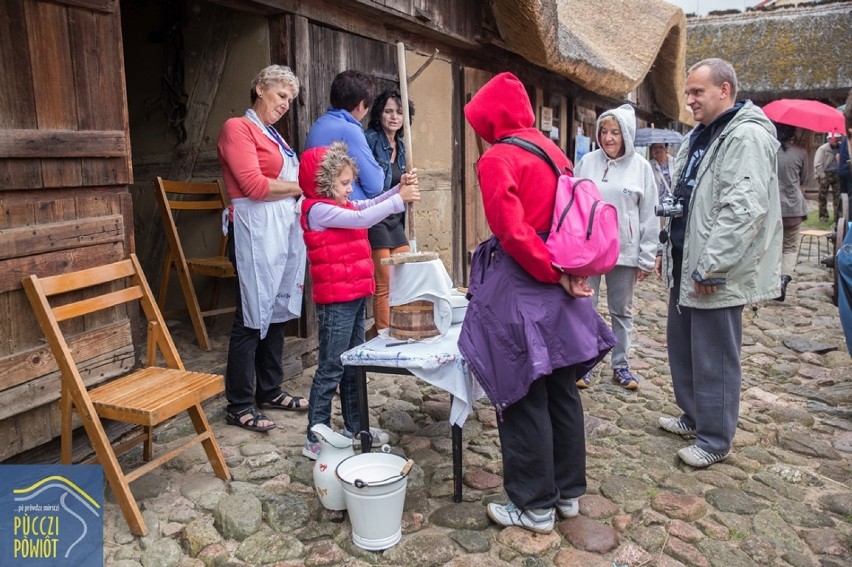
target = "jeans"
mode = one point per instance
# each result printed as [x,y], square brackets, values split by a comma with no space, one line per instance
[340,327]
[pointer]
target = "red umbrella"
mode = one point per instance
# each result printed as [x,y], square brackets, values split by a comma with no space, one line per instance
[808,114]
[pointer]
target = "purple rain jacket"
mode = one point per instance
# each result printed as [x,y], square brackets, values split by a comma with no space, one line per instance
[518,329]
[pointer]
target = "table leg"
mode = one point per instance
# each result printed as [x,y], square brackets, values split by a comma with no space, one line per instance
[457,463]
[363,408]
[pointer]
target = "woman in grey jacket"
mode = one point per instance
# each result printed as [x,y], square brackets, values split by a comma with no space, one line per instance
[626,180]
[792,172]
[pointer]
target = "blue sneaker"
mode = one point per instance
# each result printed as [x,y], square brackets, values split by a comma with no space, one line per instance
[624,378]
[584,381]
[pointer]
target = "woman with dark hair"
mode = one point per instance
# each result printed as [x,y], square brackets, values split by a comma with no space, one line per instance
[385,137]
[792,172]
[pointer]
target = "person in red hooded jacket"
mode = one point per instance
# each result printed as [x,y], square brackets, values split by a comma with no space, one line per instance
[341,267]
[530,330]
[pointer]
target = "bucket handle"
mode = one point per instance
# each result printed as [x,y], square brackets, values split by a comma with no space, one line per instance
[406,468]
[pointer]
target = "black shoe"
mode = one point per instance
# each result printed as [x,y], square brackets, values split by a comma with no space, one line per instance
[784,281]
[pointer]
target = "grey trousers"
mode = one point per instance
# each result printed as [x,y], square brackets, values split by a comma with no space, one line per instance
[790,249]
[619,298]
[704,356]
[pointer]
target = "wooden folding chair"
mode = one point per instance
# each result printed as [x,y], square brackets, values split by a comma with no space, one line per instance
[145,397]
[204,197]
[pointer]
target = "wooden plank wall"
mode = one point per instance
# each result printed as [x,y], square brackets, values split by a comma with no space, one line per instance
[64,204]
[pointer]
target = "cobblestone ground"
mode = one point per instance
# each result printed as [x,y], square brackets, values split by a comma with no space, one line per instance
[783,498]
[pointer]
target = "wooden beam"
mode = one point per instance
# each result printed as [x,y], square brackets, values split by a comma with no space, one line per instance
[52,237]
[202,94]
[102,6]
[362,17]
[62,143]
[302,64]
[13,270]
[45,389]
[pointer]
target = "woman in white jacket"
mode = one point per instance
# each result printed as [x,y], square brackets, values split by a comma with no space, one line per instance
[626,180]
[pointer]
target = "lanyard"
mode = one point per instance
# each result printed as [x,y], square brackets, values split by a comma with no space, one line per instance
[271,132]
[280,141]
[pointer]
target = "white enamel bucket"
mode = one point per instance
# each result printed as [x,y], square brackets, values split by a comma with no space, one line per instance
[374,487]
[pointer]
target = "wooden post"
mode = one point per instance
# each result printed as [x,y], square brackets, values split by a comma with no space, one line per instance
[409,154]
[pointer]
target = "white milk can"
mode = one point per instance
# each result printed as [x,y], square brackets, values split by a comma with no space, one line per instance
[334,447]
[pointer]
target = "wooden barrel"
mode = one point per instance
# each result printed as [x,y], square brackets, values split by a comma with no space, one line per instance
[413,320]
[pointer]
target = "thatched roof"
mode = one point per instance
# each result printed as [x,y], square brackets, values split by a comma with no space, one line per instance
[605,47]
[789,52]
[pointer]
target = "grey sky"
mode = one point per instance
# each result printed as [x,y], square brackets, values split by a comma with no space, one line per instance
[701,7]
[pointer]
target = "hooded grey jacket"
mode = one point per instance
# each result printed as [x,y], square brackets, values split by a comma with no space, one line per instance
[733,226]
[627,182]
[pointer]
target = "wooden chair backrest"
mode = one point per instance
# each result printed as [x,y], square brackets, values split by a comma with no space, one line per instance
[129,285]
[195,196]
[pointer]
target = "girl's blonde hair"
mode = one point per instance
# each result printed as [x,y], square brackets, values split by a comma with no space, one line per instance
[331,166]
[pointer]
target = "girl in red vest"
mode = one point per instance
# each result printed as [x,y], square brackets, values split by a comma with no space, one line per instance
[341,266]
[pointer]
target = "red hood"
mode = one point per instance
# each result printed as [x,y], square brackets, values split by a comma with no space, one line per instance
[500,108]
[308,170]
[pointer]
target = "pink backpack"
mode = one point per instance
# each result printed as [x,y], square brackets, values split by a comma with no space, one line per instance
[583,239]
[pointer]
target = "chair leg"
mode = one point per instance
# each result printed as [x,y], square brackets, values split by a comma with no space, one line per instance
[148,447]
[114,474]
[191,299]
[66,430]
[214,299]
[164,282]
[211,446]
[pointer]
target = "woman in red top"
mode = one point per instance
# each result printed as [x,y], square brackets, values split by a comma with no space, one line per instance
[266,247]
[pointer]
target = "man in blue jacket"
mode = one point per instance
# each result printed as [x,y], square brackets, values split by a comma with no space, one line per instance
[352,94]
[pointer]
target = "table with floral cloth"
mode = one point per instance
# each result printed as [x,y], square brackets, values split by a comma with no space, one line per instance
[436,361]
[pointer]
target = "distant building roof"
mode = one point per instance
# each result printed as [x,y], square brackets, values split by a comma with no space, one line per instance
[605,47]
[786,52]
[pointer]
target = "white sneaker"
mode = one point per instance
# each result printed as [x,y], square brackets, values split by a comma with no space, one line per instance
[568,507]
[539,521]
[675,425]
[697,457]
[380,437]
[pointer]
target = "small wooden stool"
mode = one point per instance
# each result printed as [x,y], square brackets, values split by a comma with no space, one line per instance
[810,235]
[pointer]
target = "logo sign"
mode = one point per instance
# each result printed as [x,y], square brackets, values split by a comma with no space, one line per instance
[51,515]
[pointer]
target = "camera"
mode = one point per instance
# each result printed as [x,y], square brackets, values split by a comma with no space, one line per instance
[670,206]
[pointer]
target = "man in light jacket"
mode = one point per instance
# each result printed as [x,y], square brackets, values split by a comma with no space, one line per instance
[722,253]
[825,171]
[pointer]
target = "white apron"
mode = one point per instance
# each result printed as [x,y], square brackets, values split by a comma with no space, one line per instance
[271,254]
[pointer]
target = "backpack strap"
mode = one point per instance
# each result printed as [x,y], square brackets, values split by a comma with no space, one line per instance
[532,148]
